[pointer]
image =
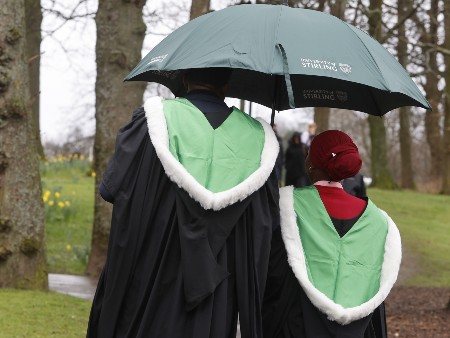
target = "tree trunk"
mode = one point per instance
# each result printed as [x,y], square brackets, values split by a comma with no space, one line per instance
[446,152]
[199,7]
[322,118]
[338,8]
[120,35]
[381,175]
[22,248]
[33,19]
[433,117]
[407,177]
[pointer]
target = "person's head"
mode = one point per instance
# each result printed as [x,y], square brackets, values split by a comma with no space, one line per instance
[333,156]
[312,127]
[296,138]
[212,79]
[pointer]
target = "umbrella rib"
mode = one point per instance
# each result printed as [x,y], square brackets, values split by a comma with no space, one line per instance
[287,77]
[275,82]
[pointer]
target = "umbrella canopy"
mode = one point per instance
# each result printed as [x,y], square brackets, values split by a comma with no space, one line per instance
[283,58]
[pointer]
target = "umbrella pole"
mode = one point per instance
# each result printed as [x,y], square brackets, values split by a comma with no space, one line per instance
[275,88]
[272,118]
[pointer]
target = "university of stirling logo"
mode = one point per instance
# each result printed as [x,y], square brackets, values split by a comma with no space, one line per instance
[325,65]
[159,58]
[341,95]
[346,68]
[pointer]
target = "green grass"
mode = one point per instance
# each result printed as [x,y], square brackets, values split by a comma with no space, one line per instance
[424,223]
[68,192]
[27,314]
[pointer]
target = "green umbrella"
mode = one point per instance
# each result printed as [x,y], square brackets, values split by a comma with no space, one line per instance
[283,58]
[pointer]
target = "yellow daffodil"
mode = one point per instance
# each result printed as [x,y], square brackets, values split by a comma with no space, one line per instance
[61,204]
[46,196]
[51,202]
[67,203]
[57,195]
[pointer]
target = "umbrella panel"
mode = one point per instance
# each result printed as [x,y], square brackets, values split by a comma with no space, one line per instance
[309,91]
[244,84]
[316,91]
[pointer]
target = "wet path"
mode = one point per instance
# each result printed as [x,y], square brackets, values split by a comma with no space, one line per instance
[77,286]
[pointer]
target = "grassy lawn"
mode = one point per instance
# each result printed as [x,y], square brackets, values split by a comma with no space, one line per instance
[33,314]
[424,223]
[68,192]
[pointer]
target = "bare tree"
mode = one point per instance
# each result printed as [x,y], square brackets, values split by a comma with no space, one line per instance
[446,152]
[427,58]
[33,19]
[199,7]
[379,161]
[407,178]
[120,35]
[22,249]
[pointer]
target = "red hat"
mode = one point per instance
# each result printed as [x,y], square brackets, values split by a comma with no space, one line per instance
[334,152]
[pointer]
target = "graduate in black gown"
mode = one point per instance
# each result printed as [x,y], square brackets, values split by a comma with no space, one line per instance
[184,261]
[334,258]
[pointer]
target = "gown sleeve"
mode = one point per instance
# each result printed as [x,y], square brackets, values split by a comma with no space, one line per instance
[129,142]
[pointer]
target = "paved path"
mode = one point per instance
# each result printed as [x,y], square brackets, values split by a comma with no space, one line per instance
[77,286]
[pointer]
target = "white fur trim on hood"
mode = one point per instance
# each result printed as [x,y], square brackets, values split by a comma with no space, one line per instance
[296,259]
[157,129]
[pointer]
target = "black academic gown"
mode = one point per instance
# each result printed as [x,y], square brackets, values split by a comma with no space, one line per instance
[174,269]
[288,312]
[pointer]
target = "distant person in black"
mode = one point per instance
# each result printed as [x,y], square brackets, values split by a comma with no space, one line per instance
[355,185]
[295,162]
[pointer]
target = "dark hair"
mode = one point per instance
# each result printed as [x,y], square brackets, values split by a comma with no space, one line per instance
[217,77]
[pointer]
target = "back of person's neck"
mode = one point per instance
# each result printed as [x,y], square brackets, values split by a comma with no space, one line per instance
[332,184]
[213,90]
[202,91]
